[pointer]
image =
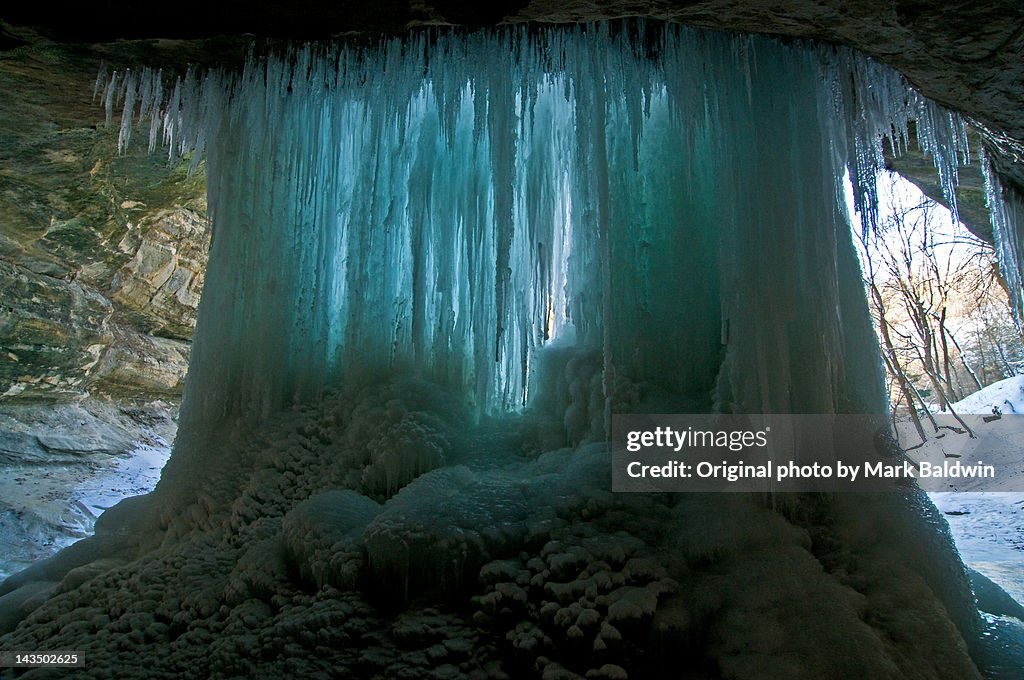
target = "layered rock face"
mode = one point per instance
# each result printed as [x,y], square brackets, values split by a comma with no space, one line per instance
[101,255]
[101,265]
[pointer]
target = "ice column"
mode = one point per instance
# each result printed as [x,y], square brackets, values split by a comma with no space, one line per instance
[1006,209]
[451,203]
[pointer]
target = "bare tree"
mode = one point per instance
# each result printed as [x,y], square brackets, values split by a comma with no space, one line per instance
[933,291]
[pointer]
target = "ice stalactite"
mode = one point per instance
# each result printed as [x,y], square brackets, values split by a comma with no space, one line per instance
[1006,209]
[452,203]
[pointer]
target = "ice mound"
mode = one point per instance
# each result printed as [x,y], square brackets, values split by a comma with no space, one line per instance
[323,534]
[437,531]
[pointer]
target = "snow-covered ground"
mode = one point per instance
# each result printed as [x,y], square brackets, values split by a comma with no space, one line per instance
[989,532]
[1007,395]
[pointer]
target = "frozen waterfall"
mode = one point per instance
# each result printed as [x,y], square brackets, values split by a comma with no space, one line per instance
[451,203]
[549,225]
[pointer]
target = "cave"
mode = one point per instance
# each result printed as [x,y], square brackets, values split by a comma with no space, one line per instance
[448,246]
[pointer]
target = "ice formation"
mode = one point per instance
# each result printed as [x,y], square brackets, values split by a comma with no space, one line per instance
[1006,208]
[415,235]
[455,202]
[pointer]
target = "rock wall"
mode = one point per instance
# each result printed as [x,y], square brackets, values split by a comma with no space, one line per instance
[101,255]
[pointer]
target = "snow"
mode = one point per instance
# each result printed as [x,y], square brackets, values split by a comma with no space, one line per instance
[989,533]
[1007,395]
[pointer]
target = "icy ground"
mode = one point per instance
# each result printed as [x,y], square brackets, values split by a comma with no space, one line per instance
[988,529]
[62,465]
[61,498]
[989,532]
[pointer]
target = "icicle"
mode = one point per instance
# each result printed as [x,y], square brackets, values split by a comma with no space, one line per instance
[102,80]
[130,95]
[1006,209]
[109,94]
[875,104]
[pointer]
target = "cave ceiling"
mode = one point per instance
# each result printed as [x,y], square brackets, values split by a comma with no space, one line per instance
[968,56]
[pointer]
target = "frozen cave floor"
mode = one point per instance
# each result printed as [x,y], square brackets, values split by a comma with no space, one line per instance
[380,535]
